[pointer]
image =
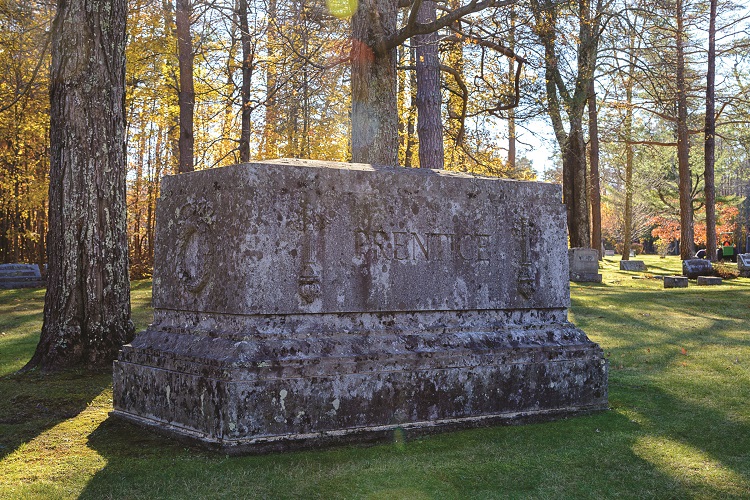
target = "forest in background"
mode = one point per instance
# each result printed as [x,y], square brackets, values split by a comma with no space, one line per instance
[273,79]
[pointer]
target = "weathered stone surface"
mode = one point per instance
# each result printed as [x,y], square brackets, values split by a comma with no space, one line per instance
[675,282]
[609,253]
[20,276]
[709,280]
[584,265]
[743,264]
[692,268]
[632,265]
[300,302]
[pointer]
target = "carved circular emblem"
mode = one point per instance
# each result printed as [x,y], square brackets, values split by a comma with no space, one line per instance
[193,246]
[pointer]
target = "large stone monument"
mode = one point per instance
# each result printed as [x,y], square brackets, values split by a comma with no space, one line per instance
[299,303]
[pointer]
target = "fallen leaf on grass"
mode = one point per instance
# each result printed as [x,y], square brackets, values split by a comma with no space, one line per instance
[683,351]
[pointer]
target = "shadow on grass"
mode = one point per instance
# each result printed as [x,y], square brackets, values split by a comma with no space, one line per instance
[32,403]
[703,449]
[585,457]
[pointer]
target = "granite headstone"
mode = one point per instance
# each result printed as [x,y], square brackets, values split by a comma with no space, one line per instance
[584,265]
[692,268]
[743,264]
[632,265]
[675,282]
[20,276]
[709,280]
[303,303]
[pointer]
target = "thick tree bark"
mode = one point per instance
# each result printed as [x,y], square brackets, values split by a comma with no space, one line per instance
[186,94]
[594,188]
[87,306]
[687,244]
[374,98]
[710,137]
[429,119]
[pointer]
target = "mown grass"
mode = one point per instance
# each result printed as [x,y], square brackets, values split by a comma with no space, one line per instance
[679,426]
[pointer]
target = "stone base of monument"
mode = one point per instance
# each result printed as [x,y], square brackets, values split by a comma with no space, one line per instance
[675,282]
[632,265]
[261,394]
[709,280]
[301,303]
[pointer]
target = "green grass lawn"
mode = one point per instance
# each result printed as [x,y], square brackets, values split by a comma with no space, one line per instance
[679,425]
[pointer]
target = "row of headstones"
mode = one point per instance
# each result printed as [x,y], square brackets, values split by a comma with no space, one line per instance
[584,267]
[701,270]
[20,276]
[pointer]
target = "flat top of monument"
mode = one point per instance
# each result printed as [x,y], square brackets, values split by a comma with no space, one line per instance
[367,167]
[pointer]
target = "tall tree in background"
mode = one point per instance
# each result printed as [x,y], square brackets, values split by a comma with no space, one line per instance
[562,101]
[595,198]
[710,137]
[687,243]
[186,90]
[374,102]
[247,73]
[87,305]
[24,130]
[375,37]
[511,82]
[429,99]
[270,146]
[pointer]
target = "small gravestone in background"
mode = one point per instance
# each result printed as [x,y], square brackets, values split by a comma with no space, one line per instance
[20,276]
[675,282]
[692,268]
[632,265]
[743,264]
[609,253]
[709,280]
[584,265]
[301,303]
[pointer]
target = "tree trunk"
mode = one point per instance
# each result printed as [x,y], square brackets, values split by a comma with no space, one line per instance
[574,185]
[186,94]
[687,244]
[456,98]
[410,121]
[270,129]
[87,306]
[710,137]
[629,156]
[511,84]
[429,119]
[374,101]
[594,189]
[247,73]
[572,146]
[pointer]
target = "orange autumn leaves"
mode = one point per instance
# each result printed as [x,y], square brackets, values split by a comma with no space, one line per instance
[668,229]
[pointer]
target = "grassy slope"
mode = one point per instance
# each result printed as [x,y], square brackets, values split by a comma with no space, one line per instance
[679,425]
